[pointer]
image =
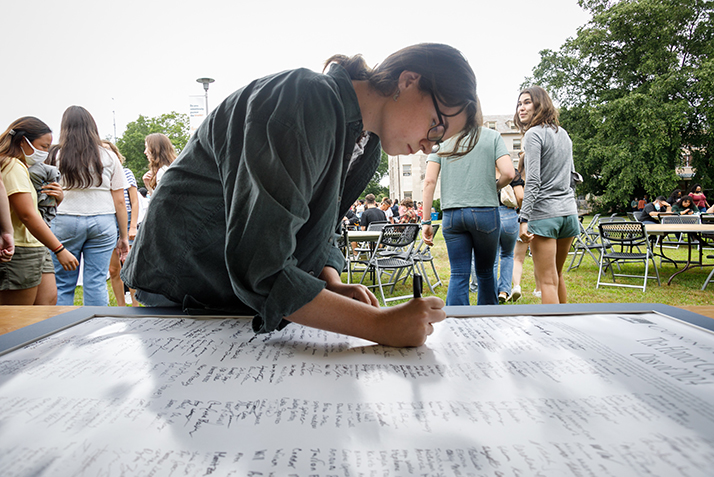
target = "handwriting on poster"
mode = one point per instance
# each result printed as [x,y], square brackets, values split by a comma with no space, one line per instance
[568,395]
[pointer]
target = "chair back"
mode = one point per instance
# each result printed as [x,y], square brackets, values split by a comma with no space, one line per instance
[623,233]
[680,219]
[399,235]
[631,216]
[422,247]
[671,219]
[610,220]
[593,223]
[377,226]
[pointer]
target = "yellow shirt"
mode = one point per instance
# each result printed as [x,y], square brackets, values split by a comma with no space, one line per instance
[16,178]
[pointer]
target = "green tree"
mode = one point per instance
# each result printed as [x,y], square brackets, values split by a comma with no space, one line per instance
[374,186]
[131,143]
[635,88]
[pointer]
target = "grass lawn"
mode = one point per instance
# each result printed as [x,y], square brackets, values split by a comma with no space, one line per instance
[685,289]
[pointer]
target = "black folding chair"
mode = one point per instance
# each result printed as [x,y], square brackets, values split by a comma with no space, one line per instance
[629,243]
[397,236]
[584,243]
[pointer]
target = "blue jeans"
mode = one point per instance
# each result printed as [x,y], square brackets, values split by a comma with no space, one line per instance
[507,242]
[466,231]
[94,238]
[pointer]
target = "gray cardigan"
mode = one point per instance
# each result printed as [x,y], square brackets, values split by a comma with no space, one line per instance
[548,163]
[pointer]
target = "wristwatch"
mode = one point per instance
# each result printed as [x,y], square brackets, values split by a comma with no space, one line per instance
[426,222]
[521,220]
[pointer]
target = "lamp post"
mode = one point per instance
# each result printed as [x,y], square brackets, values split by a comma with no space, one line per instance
[205,82]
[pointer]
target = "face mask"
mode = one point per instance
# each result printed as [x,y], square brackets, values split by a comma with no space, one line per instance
[657,206]
[36,156]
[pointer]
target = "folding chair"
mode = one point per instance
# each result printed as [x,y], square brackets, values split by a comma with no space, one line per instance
[678,219]
[585,242]
[611,219]
[359,257]
[421,254]
[626,240]
[592,226]
[397,236]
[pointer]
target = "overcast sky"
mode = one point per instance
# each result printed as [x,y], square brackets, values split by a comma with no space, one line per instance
[123,58]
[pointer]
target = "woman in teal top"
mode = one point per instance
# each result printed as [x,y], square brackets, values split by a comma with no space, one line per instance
[244,220]
[471,223]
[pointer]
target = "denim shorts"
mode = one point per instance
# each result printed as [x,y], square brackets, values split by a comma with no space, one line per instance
[555,227]
[26,268]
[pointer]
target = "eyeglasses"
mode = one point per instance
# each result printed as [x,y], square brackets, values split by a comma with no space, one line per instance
[436,133]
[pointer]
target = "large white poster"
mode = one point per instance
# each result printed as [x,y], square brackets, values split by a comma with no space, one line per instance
[588,395]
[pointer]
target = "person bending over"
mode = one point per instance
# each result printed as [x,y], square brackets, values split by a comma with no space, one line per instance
[244,220]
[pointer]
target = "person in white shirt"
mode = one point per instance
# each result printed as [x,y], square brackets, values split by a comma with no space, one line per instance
[387,208]
[93,182]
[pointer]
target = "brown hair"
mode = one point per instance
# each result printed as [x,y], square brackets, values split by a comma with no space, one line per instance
[521,162]
[162,153]
[543,110]
[80,159]
[26,127]
[112,147]
[444,72]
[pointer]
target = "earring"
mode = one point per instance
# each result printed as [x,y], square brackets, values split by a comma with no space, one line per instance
[396,95]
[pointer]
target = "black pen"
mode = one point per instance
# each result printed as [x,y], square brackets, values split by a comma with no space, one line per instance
[417,285]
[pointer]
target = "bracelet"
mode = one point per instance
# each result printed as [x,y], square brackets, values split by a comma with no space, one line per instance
[426,222]
[59,249]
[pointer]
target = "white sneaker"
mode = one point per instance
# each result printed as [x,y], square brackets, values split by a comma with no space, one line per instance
[515,293]
[536,293]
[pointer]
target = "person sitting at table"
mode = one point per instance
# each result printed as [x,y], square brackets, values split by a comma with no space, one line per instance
[408,215]
[653,210]
[685,206]
[386,207]
[244,219]
[371,213]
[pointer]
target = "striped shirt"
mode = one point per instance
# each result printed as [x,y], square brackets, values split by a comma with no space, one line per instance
[131,182]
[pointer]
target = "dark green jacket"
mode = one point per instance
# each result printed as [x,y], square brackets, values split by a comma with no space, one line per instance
[244,219]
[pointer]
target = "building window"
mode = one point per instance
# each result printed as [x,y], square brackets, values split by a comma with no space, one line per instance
[516,144]
[407,170]
[511,124]
[407,194]
[491,124]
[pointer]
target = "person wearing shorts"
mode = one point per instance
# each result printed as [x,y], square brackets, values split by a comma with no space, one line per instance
[549,215]
[29,278]
[555,227]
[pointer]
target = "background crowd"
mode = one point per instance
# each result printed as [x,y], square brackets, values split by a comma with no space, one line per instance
[69,211]
[72,205]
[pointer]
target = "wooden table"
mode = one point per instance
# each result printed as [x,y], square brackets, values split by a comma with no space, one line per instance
[15,317]
[694,237]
